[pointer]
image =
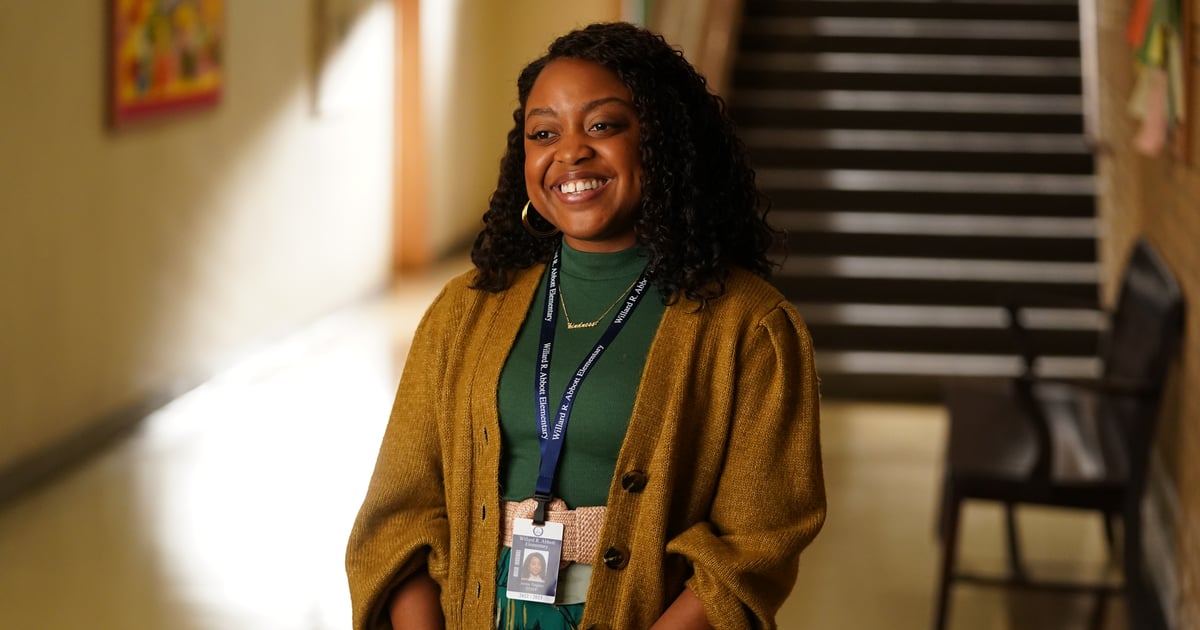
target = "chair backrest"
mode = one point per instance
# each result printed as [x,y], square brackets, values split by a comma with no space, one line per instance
[1142,340]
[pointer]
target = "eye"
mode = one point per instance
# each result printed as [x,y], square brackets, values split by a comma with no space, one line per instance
[605,126]
[541,135]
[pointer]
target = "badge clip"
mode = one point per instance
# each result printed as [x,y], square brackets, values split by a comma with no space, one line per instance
[539,514]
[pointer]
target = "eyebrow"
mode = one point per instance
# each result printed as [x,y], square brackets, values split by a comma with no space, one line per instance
[549,111]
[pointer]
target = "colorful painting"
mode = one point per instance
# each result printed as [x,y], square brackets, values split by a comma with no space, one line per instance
[1159,33]
[166,55]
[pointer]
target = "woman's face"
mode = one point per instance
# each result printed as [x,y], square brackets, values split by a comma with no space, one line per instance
[535,565]
[583,167]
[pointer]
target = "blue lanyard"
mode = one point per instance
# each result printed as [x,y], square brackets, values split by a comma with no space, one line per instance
[550,438]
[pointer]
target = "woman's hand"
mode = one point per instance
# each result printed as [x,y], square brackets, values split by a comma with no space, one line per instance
[416,604]
[685,613]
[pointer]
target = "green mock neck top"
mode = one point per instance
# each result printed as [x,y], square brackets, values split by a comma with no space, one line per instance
[590,283]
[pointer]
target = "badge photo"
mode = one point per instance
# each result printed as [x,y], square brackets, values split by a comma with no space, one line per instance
[536,555]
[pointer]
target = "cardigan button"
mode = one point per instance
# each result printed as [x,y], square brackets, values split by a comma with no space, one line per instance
[633,481]
[616,557]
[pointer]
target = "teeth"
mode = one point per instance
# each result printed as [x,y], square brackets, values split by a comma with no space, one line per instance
[580,185]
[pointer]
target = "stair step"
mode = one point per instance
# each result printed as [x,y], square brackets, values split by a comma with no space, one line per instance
[941,269]
[973,317]
[971,65]
[911,29]
[921,376]
[945,161]
[943,2]
[891,234]
[889,388]
[950,329]
[965,225]
[1008,203]
[757,138]
[880,101]
[904,46]
[819,80]
[991,10]
[952,365]
[930,291]
[974,247]
[977,183]
[950,340]
[917,121]
[937,281]
[991,2]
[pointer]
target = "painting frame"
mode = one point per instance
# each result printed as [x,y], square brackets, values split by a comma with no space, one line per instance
[164,56]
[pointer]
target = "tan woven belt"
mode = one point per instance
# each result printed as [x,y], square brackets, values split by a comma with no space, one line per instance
[581,526]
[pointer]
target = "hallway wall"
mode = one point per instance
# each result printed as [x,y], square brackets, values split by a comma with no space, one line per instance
[1159,198]
[135,263]
[472,52]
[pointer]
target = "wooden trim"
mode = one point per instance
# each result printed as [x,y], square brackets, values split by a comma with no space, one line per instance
[708,35]
[76,449]
[720,42]
[1181,147]
[1089,55]
[410,226]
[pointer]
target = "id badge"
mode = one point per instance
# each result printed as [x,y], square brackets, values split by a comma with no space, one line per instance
[536,554]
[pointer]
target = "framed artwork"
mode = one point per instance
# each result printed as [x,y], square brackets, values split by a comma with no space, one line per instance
[1160,33]
[164,56]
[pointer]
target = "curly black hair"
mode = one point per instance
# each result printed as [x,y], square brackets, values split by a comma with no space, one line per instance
[701,213]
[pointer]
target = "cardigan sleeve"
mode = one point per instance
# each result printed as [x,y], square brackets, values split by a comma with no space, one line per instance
[402,524]
[770,496]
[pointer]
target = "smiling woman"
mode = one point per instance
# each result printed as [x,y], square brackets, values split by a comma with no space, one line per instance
[626,439]
[582,167]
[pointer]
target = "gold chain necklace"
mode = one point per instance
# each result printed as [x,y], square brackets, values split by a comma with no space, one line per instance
[573,325]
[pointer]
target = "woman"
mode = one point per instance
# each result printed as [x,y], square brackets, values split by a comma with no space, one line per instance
[534,568]
[616,363]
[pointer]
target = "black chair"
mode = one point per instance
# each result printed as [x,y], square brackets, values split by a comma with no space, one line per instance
[1071,444]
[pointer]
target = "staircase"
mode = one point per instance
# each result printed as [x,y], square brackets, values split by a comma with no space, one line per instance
[926,159]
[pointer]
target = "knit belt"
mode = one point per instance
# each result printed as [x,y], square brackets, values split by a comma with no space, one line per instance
[581,526]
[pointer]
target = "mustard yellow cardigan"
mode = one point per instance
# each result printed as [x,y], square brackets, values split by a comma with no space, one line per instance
[724,432]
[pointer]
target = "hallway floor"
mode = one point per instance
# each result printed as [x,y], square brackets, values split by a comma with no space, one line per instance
[229,508]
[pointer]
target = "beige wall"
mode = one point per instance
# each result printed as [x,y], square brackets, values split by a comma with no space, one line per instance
[472,52]
[1158,198]
[133,262]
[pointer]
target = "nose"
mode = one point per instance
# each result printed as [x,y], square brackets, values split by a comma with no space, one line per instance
[574,148]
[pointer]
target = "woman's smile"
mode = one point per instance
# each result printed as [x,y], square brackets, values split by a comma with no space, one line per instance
[578,188]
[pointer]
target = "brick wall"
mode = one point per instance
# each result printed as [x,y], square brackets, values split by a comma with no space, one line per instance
[1158,198]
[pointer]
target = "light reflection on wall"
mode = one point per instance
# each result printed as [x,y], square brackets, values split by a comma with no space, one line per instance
[250,483]
[441,84]
[145,260]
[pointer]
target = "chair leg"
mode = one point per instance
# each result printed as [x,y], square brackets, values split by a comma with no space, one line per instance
[939,525]
[1016,568]
[1131,561]
[951,506]
[1096,622]
[1110,535]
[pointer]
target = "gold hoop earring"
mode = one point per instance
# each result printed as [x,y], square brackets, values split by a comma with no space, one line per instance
[529,226]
